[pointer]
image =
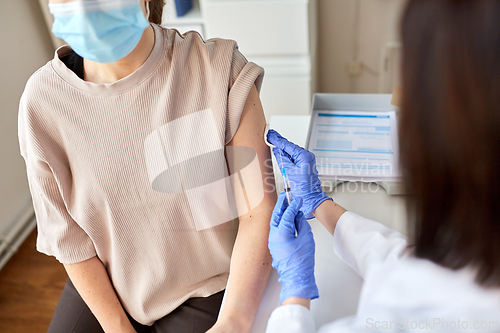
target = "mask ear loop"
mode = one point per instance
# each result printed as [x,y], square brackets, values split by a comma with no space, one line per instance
[148,12]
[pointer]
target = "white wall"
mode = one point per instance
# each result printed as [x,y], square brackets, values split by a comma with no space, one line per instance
[25,45]
[379,23]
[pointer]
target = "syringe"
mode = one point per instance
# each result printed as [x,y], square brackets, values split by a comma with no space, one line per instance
[286,186]
[286,183]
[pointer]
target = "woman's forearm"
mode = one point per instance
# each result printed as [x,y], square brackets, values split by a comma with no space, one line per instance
[328,213]
[93,284]
[250,269]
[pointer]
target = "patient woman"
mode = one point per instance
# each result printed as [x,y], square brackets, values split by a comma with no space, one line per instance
[125,134]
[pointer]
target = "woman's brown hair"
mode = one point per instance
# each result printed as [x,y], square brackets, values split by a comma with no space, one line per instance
[156,11]
[450,132]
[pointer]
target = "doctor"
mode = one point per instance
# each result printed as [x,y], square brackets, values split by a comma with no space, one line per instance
[447,276]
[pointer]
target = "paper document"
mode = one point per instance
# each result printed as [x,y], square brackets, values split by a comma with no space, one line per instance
[355,144]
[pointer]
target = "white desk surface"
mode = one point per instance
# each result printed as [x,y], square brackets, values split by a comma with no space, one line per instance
[339,286]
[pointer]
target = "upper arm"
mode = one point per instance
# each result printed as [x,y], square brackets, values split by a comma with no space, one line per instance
[59,235]
[49,179]
[249,160]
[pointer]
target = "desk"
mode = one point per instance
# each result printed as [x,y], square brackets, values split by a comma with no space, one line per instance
[339,286]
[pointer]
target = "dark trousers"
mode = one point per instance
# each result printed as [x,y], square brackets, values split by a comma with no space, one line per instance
[196,315]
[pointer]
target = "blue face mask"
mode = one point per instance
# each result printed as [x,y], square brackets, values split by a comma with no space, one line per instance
[100,30]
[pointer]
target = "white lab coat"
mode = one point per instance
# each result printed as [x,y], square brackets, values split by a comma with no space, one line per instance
[400,292]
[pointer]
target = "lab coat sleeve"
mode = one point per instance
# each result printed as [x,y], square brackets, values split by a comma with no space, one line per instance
[361,243]
[291,318]
[298,319]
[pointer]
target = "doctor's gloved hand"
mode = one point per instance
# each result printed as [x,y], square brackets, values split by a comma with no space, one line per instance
[300,166]
[293,256]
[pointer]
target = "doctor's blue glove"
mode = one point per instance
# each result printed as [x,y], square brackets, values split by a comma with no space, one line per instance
[293,256]
[300,166]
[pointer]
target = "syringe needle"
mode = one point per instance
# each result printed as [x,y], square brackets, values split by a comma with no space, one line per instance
[286,185]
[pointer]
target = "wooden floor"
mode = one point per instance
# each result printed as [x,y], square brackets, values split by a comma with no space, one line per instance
[30,286]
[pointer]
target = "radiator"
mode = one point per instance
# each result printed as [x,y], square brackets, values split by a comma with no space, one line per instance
[17,234]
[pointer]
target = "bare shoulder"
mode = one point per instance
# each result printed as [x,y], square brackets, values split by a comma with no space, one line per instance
[252,124]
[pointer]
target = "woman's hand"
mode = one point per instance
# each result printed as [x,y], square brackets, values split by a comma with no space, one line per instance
[293,255]
[300,166]
[92,282]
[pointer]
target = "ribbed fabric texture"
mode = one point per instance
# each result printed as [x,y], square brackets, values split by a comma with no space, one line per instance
[84,147]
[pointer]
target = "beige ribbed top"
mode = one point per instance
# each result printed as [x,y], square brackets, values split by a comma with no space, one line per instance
[112,167]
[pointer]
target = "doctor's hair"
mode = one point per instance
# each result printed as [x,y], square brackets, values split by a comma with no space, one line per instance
[156,11]
[450,132]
